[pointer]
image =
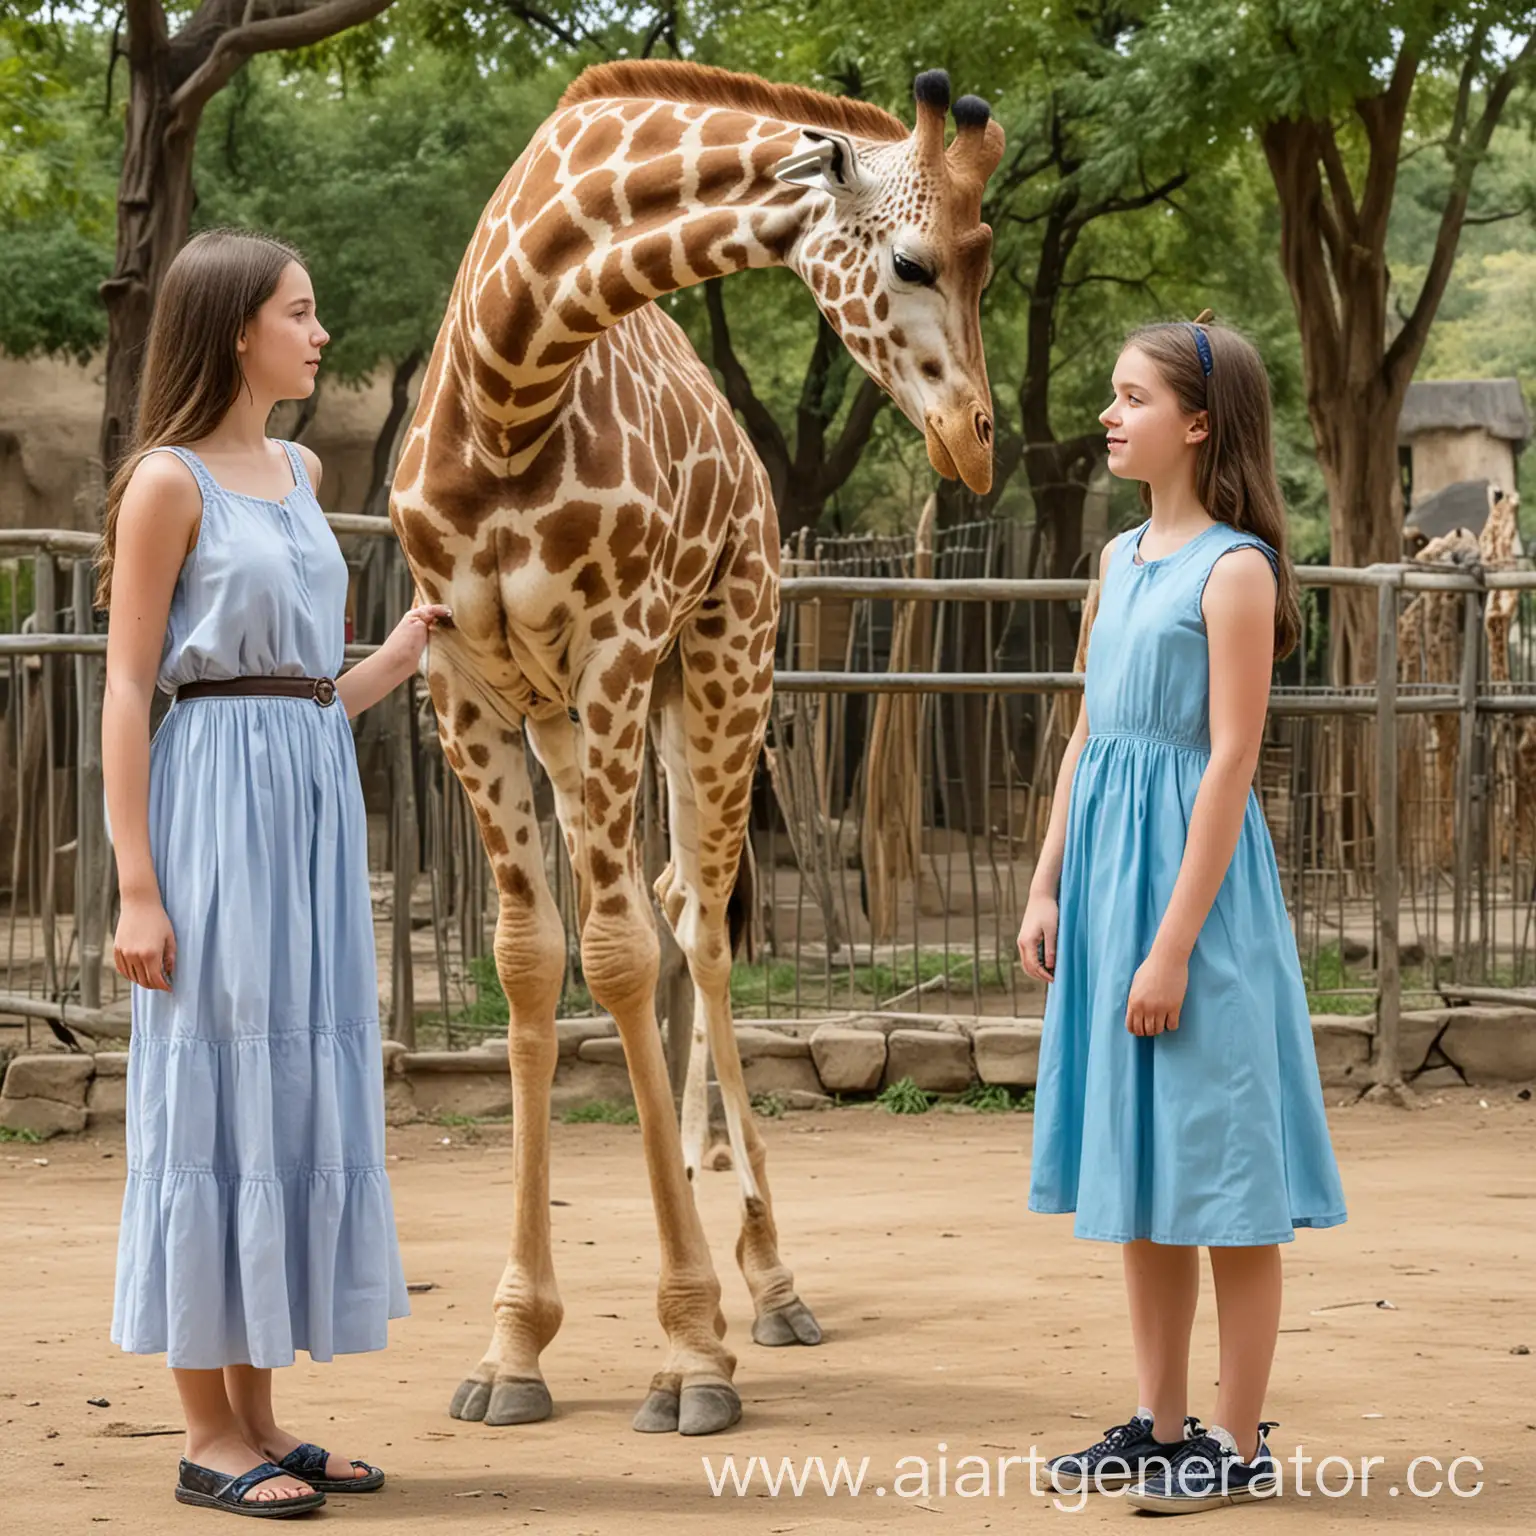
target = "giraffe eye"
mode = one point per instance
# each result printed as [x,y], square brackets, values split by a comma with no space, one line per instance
[909,271]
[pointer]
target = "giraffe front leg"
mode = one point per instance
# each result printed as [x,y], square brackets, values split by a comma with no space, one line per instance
[693,1392]
[710,737]
[507,1387]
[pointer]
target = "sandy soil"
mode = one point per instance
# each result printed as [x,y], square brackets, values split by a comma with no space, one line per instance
[952,1317]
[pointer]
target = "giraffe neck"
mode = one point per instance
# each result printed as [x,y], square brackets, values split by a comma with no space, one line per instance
[613,204]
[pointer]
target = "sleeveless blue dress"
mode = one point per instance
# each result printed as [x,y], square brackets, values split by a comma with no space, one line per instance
[1214,1133]
[257,1217]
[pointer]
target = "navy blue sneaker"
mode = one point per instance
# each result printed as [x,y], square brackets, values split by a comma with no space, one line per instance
[1207,1473]
[1126,1454]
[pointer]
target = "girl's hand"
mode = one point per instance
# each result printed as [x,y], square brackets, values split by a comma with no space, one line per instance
[1157,994]
[1037,938]
[408,639]
[144,947]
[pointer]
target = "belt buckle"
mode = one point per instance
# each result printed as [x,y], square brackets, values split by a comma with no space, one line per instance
[325,692]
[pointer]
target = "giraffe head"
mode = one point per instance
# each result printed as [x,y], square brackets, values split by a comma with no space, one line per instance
[896,255]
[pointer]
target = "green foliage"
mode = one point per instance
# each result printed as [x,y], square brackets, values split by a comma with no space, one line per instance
[57,189]
[380,188]
[905,1098]
[997,1098]
[770,1105]
[601,1112]
[376,151]
[12,1133]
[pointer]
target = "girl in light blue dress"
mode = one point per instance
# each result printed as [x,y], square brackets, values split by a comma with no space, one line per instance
[257,1218]
[1178,1102]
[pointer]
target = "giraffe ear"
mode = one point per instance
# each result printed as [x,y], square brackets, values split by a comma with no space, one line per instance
[824,160]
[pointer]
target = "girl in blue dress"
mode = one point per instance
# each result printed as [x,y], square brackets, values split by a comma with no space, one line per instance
[257,1218]
[1178,1102]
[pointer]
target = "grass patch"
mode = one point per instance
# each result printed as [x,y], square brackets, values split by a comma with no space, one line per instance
[905,1098]
[997,1098]
[771,1105]
[9,1133]
[601,1112]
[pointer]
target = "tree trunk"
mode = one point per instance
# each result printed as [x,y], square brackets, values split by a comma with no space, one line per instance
[170,81]
[803,477]
[154,213]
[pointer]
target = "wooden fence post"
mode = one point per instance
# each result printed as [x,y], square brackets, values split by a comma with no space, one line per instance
[1387,1067]
[404,854]
[90,825]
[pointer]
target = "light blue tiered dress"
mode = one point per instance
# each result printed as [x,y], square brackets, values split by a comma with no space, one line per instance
[1214,1133]
[257,1218]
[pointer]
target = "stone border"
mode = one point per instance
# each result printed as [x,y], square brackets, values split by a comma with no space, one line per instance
[60,1092]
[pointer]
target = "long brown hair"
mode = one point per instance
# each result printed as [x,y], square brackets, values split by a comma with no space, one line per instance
[1235,465]
[192,371]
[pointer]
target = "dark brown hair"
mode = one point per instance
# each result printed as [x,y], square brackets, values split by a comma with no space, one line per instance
[1235,465]
[192,371]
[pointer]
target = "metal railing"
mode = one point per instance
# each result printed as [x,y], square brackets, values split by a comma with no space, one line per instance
[970,722]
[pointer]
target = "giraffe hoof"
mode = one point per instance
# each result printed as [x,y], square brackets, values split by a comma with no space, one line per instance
[792,1323]
[519,1402]
[658,1414]
[708,1408]
[469,1402]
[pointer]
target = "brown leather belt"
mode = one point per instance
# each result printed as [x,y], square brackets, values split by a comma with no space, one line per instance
[321,689]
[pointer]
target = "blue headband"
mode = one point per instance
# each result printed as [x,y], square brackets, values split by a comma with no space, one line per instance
[1203,347]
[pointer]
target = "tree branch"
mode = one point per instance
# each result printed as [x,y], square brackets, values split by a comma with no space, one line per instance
[854,437]
[1403,355]
[271,35]
[532,16]
[146,30]
[1500,217]
[1344,210]
[761,427]
[1382,118]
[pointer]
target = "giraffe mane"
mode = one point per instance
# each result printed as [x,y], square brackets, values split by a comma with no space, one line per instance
[676,80]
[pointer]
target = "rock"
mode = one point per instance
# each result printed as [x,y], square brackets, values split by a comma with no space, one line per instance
[606,1051]
[783,1075]
[572,1032]
[936,1062]
[800,1098]
[394,1059]
[1008,1053]
[580,1082]
[1437,1077]
[753,1043]
[60,1077]
[1492,1045]
[1343,1045]
[399,1100]
[43,1117]
[111,1063]
[848,1060]
[106,1101]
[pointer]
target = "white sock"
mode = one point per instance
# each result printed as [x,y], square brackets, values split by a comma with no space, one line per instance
[1144,1413]
[1227,1438]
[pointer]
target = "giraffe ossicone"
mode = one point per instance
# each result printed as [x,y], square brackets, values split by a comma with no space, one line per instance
[576,488]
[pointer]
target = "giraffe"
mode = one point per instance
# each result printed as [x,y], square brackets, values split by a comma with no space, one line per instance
[577,490]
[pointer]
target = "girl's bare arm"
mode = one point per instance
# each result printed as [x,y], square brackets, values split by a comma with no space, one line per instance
[1239,610]
[1047,876]
[156,528]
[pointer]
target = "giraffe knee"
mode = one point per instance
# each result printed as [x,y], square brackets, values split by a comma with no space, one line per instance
[530,955]
[620,957]
[701,933]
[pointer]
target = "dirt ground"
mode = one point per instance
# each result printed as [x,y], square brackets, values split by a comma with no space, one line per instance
[957,1326]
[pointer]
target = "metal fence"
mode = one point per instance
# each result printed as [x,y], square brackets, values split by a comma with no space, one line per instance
[916,734]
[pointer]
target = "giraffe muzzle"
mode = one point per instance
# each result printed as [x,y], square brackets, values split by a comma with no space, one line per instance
[960,446]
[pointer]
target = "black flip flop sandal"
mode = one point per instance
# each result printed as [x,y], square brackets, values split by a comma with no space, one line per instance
[218,1490]
[308,1461]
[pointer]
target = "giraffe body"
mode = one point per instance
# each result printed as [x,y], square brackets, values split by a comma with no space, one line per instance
[577,490]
